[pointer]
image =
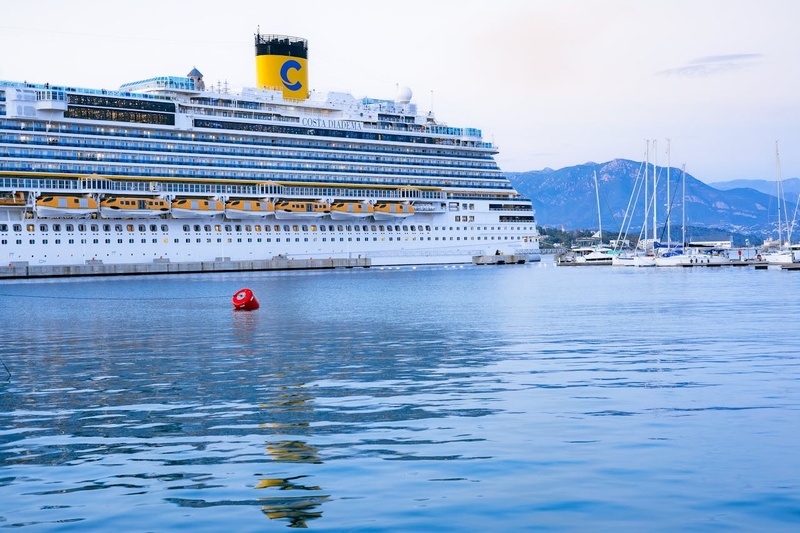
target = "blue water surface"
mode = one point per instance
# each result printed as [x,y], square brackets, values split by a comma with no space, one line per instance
[504,398]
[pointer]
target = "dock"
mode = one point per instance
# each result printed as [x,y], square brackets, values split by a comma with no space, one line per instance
[499,259]
[23,270]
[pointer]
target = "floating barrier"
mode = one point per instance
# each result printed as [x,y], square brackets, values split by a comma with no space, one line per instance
[245,300]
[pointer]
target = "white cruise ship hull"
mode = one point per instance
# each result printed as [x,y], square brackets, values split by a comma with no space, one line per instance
[437,193]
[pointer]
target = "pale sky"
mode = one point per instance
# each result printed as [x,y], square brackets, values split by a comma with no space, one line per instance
[553,83]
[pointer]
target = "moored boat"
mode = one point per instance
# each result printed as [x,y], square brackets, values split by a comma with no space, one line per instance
[392,210]
[350,210]
[66,206]
[240,208]
[127,207]
[437,186]
[196,207]
[301,209]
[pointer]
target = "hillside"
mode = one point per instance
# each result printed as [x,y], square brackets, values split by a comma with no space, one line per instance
[566,198]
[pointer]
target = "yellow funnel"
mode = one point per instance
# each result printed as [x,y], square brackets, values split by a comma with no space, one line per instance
[282,63]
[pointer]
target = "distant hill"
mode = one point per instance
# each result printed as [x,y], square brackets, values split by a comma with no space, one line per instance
[566,198]
[791,187]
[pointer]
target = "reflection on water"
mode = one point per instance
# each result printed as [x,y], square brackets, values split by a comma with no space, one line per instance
[297,508]
[428,399]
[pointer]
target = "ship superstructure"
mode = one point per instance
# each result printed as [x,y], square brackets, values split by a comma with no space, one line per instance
[165,169]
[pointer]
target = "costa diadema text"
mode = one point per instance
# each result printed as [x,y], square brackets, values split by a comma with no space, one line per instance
[167,170]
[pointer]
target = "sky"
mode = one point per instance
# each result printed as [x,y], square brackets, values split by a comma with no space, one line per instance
[553,83]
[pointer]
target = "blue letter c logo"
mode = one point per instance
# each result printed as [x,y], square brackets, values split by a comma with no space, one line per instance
[285,68]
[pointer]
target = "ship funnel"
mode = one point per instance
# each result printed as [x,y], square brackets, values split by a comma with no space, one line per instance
[282,63]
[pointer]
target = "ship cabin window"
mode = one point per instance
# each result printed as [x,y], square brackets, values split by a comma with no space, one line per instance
[69,227]
[295,227]
[106,227]
[389,228]
[117,227]
[82,227]
[380,228]
[94,227]
[43,227]
[458,218]
[405,228]
[207,227]
[197,227]
[305,228]
[285,228]
[217,228]
[164,228]
[348,228]
[3,227]
[357,227]
[228,228]
[238,228]
[313,228]
[257,228]
[267,228]
[277,228]
[17,227]
[248,228]
[186,227]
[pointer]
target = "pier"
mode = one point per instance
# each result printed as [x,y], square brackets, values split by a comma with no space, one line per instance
[499,259]
[23,270]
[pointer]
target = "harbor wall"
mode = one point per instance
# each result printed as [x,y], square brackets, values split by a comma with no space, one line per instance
[22,270]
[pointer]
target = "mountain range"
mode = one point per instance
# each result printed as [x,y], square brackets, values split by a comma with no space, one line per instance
[566,198]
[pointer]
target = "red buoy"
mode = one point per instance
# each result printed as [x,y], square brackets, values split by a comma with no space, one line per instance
[244,300]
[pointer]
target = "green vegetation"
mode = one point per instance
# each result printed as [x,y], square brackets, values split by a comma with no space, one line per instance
[556,238]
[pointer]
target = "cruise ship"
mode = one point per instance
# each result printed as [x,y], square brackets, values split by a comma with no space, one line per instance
[168,170]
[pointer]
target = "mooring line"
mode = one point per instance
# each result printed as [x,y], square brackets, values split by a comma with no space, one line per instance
[17,295]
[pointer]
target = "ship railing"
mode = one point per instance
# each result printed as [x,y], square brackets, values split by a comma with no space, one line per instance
[98,185]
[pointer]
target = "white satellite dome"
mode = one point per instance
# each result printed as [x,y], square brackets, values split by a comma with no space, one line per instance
[403,95]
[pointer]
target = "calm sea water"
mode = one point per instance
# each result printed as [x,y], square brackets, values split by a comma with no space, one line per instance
[431,399]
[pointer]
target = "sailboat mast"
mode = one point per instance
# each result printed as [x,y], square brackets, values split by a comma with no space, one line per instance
[669,207]
[646,194]
[779,183]
[655,183]
[599,218]
[683,209]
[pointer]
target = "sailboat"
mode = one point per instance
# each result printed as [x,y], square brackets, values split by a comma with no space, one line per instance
[674,256]
[786,253]
[594,252]
[639,257]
